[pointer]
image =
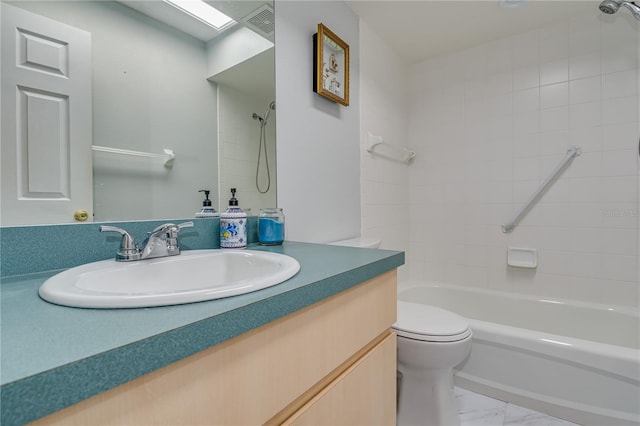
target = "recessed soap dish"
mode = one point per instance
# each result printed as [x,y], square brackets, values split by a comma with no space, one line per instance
[520,257]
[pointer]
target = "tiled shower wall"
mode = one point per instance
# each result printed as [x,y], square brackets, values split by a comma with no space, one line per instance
[383,84]
[490,123]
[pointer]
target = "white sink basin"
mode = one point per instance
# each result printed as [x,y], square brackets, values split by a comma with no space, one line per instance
[192,276]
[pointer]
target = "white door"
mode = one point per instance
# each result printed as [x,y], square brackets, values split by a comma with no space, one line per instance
[46,120]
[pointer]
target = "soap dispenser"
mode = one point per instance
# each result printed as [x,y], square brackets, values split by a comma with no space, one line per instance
[233,225]
[207,210]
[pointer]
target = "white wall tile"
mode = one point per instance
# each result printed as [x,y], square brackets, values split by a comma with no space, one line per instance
[620,136]
[554,72]
[554,119]
[525,100]
[526,77]
[585,65]
[499,83]
[554,95]
[619,241]
[555,261]
[586,215]
[453,69]
[589,164]
[475,89]
[554,43]
[619,163]
[525,48]
[586,115]
[584,35]
[586,190]
[619,56]
[620,110]
[526,122]
[589,139]
[500,105]
[499,57]
[619,189]
[619,267]
[556,238]
[584,264]
[526,145]
[585,90]
[619,84]
[586,240]
[526,168]
[553,143]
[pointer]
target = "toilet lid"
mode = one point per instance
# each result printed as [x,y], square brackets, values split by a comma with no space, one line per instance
[428,323]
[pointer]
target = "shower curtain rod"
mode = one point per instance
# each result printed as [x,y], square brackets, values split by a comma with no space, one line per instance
[572,152]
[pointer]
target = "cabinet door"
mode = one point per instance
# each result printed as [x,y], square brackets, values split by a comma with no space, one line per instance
[365,394]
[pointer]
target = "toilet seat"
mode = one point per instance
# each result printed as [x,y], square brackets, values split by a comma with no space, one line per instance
[429,323]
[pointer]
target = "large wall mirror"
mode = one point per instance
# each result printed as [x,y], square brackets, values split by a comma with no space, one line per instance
[89,87]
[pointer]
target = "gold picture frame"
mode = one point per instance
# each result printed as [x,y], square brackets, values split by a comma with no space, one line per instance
[330,66]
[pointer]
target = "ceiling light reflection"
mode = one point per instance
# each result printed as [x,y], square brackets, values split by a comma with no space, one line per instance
[203,12]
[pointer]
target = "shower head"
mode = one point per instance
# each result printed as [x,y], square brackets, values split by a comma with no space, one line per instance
[611,6]
[271,106]
[263,119]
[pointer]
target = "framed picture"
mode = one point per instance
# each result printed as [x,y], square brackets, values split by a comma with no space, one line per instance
[330,66]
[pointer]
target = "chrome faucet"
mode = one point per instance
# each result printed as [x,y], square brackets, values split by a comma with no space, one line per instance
[161,242]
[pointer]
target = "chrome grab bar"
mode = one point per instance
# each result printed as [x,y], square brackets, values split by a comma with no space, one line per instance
[572,152]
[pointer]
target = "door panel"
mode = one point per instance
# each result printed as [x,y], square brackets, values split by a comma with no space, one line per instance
[46,119]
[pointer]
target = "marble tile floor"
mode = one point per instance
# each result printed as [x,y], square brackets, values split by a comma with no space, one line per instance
[480,410]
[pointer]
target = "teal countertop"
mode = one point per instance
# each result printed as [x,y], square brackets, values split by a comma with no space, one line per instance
[54,356]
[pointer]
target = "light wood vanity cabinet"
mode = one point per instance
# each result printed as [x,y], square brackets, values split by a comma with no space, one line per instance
[359,396]
[331,363]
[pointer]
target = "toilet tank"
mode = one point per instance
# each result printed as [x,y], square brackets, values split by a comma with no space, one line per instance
[358,242]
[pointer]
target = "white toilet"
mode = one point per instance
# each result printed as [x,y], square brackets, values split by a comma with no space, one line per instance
[431,341]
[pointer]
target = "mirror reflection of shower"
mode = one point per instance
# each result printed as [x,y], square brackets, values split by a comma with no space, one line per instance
[262,146]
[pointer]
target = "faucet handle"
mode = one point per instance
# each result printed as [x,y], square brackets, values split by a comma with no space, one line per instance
[169,233]
[172,242]
[171,227]
[128,247]
[163,227]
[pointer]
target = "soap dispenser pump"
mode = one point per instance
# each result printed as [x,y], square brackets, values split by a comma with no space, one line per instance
[233,225]
[207,210]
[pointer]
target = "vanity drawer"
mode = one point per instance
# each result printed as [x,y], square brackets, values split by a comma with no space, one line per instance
[360,395]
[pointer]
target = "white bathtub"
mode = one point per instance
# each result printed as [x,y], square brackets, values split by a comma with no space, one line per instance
[572,360]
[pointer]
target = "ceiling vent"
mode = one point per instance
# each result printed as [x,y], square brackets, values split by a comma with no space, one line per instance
[262,21]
